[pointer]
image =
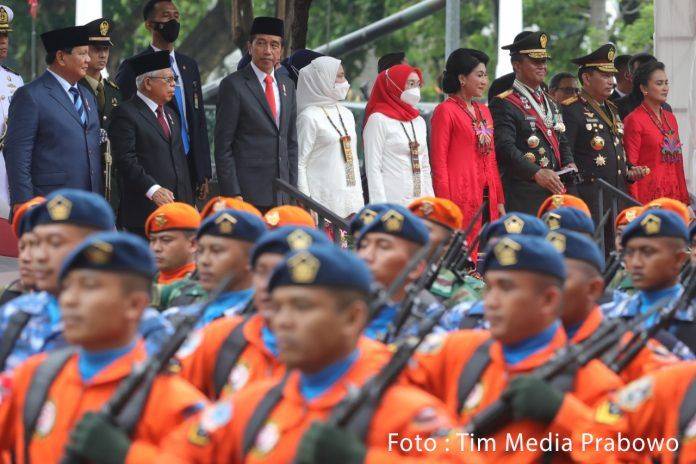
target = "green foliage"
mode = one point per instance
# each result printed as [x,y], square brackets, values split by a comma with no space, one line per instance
[638,36]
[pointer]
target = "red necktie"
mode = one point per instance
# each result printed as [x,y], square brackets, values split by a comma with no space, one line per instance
[163,121]
[270,97]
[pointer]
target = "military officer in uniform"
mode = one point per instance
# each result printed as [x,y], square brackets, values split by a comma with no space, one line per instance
[529,132]
[9,82]
[595,133]
[107,94]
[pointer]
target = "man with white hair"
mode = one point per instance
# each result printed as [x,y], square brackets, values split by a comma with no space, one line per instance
[147,145]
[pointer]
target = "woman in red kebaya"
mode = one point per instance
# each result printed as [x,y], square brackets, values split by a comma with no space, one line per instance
[651,138]
[462,155]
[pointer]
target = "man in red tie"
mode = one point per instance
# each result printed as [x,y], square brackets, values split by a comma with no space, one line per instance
[255,135]
[146,144]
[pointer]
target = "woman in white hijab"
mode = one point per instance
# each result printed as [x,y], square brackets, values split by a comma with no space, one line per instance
[328,168]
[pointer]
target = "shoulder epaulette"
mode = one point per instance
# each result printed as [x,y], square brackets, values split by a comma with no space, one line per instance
[569,101]
[111,83]
[7,68]
[505,94]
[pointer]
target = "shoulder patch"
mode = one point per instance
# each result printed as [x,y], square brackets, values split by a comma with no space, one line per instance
[212,418]
[505,94]
[112,84]
[569,101]
[635,394]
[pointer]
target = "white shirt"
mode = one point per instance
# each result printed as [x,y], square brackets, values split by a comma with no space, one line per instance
[9,83]
[175,70]
[388,160]
[321,170]
[261,76]
[153,107]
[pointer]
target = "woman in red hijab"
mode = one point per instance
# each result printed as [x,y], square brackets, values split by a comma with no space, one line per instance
[395,139]
[462,152]
[651,138]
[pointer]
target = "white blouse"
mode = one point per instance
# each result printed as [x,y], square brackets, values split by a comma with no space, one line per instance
[390,177]
[322,170]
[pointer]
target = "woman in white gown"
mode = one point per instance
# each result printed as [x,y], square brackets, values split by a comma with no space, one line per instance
[328,168]
[395,139]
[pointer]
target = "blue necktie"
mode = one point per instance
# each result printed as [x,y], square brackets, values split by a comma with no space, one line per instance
[77,101]
[179,96]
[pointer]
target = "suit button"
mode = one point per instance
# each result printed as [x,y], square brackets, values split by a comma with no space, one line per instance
[619,171]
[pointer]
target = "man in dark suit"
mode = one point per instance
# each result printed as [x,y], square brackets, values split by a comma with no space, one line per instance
[53,125]
[146,144]
[105,92]
[529,133]
[623,78]
[255,134]
[162,20]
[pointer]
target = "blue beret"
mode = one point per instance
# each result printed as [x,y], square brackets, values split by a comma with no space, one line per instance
[367,214]
[524,253]
[575,245]
[78,207]
[286,239]
[569,218]
[400,222]
[656,223]
[323,266]
[234,224]
[112,251]
[514,223]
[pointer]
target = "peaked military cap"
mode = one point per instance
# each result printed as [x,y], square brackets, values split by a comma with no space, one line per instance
[569,218]
[286,239]
[514,223]
[366,215]
[524,253]
[6,17]
[324,266]
[399,222]
[78,207]
[99,32]
[147,62]
[577,246]
[532,44]
[602,59]
[112,251]
[233,224]
[68,37]
[655,223]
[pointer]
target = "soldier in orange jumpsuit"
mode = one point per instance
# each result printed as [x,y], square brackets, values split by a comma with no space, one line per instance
[109,273]
[256,350]
[471,369]
[319,296]
[581,316]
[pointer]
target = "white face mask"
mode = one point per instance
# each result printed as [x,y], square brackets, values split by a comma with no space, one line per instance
[411,96]
[340,90]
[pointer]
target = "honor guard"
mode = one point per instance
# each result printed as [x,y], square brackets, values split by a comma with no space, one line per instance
[530,139]
[471,369]
[10,81]
[595,132]
[581,316]
[570,218]
[469,315]
[233,352]
[655,250]
[32,323]
[225,241]
[365,216]
[49,404]
[320,310]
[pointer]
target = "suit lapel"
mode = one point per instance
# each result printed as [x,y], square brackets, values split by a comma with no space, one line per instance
[58,94]
[283,95]
[150,117]
[255,87]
